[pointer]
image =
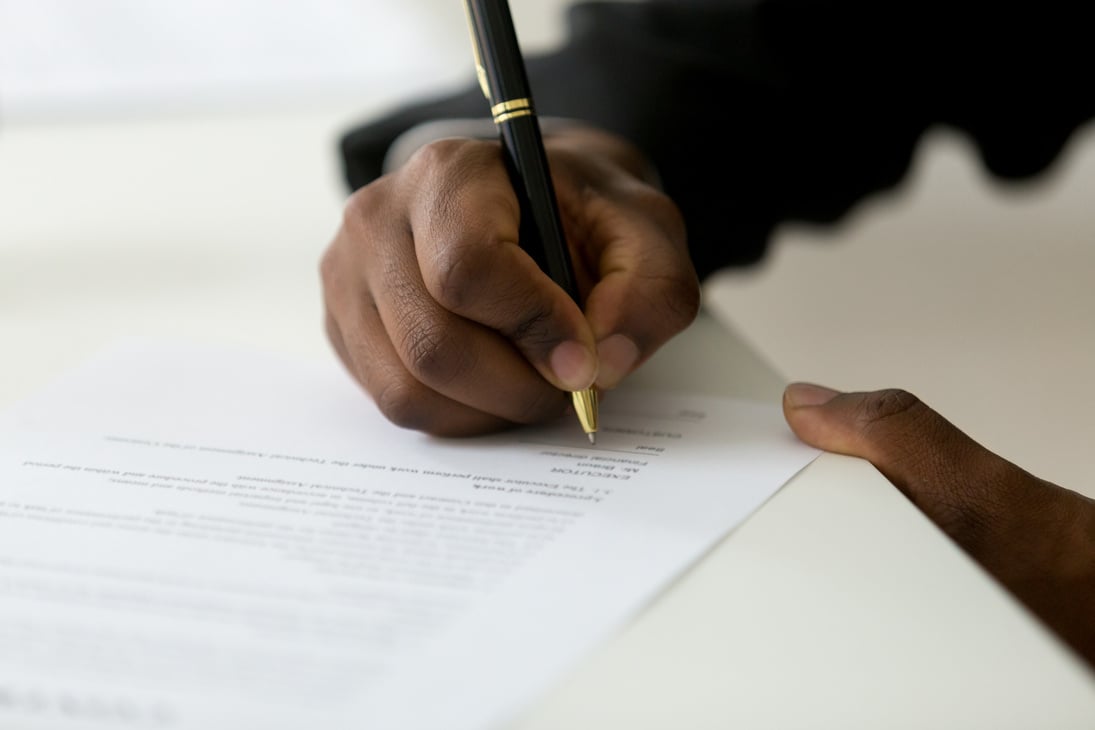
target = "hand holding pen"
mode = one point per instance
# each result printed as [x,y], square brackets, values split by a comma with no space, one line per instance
[501,73]
[454,329]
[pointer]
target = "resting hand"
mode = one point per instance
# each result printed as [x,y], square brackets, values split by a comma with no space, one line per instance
[1036,538]
[453,329]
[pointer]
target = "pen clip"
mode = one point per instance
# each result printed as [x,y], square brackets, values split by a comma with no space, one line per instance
[480,71]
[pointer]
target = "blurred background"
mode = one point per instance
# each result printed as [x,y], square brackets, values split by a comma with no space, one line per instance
[61,59]
[170,169]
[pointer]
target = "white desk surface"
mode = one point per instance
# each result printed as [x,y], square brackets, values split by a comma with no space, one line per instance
[836,606]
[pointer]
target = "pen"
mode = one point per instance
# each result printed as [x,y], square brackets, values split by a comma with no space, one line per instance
[501,73]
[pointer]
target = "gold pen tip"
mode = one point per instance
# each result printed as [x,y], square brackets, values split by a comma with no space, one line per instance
[585,405]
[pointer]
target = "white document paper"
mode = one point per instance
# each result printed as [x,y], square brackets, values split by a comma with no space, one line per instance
[198,538]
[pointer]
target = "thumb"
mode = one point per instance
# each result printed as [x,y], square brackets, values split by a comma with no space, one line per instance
[961,486]
[1034,536]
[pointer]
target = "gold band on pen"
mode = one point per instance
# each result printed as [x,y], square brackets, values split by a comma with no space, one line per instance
[505,110]
[510,115]
[511,105]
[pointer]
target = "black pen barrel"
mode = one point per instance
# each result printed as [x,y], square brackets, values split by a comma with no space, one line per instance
[541,229]
[492,25]
[501,72]
[498,55]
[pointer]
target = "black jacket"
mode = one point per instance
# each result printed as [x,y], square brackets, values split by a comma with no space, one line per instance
[767,111]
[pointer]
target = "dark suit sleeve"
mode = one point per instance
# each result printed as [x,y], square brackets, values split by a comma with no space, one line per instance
[757,113]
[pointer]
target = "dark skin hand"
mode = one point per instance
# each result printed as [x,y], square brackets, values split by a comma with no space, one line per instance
[453,330]
[1036,538]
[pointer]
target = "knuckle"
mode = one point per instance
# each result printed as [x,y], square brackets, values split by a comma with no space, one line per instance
[431,352]
[883,406]
[658,208]
[452,156]
[675,296]
[436,154]
[661,208]
[371,220]
[363,205]
[682,299]
[532,330]
[458,267]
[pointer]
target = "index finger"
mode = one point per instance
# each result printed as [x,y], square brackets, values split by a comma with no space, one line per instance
[647,290]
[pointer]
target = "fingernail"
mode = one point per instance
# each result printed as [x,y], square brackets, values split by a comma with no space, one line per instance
[574,365]
[616,356]
[802,395]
